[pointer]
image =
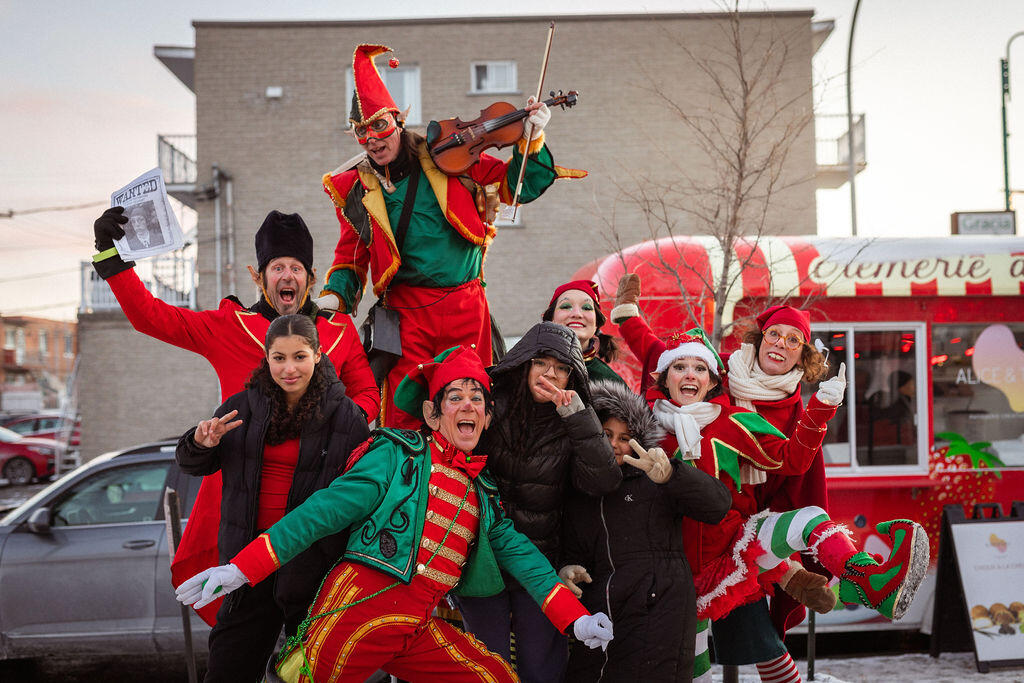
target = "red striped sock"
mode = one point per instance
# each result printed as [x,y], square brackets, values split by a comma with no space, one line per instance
[779,670]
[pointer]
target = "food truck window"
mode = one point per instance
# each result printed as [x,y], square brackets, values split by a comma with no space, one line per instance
[978,387]
[884,396]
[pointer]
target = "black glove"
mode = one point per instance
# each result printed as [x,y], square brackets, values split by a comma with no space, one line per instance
[107,227]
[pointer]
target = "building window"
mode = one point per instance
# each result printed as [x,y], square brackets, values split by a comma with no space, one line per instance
[44,343]
[404,85]
[19,346]
[493,77]
[886,396]
[9,338]
[69,345]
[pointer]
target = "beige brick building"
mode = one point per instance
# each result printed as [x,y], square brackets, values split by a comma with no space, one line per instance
[272,104]
[277,148]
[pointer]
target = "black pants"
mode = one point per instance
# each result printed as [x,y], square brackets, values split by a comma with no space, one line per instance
[245,635]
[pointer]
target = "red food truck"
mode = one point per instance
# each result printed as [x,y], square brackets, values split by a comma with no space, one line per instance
[931,331]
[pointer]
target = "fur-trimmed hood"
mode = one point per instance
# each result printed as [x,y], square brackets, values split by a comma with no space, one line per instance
[613,399]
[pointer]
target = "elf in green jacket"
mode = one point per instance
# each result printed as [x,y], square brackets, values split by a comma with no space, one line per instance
[424,521]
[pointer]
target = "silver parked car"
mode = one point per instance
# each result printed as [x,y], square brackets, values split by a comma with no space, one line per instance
[84,564]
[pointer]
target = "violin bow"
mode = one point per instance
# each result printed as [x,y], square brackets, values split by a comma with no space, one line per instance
[529,133]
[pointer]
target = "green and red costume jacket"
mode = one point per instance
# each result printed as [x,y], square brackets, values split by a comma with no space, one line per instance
[370,246]
[383,497]
[231,339]
[736,435]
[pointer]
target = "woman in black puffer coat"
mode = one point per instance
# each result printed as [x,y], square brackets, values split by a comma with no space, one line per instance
[625,551]
[291,433]
[544,441]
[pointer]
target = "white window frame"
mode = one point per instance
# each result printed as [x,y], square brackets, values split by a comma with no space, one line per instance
[511,88]
[412,87]
[920,330]
[44,343]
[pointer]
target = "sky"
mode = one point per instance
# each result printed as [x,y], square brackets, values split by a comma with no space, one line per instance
[84,101]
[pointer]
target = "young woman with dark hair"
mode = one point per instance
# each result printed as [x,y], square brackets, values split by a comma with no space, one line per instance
[545,439]
[287,435]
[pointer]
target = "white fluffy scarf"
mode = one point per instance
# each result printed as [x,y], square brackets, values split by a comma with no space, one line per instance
[749,383]
[686,422]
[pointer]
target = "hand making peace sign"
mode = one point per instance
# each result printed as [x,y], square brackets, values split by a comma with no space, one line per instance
[654,462]
[548,390]
[209,432]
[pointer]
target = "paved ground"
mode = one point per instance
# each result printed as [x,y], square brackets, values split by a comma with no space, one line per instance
[905,668]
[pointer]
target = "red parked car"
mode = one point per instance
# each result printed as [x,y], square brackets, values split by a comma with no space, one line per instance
[43,425]
[23,459]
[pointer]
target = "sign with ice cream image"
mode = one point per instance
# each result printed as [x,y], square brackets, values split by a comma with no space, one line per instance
[990,557]
[999,362]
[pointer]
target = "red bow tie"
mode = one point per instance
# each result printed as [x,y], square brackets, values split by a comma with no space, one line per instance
[468,463]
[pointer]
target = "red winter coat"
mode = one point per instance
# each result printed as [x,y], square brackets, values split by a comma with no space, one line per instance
[231,339]
[645,345]
[780,493]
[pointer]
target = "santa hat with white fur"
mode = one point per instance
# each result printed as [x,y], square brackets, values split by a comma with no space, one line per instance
[690,344]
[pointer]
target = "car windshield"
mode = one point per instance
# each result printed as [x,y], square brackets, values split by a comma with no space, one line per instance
[8,436]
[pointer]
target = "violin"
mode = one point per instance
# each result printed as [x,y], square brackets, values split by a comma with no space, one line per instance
[455,145]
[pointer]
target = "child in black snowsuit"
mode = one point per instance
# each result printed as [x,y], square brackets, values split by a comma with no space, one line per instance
[623,552]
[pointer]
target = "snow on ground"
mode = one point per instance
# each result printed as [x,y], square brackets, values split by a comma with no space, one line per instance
[904,668]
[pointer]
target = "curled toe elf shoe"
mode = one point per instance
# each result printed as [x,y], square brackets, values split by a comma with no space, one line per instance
[889,586]
[811,590]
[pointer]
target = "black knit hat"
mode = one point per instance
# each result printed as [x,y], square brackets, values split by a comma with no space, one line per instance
[283,234]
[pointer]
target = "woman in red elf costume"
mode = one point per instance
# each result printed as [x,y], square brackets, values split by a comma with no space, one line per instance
[737,561]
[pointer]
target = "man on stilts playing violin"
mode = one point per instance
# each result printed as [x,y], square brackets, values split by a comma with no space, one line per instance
[420,233]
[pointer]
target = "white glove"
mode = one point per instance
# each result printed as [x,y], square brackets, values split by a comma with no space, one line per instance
[832,391]
[538,118]
[573,574]
[593,630]
[328,302]
[210,584]
[654,462]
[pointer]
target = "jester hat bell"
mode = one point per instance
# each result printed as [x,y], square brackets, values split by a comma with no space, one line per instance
[430,377]
[370,98]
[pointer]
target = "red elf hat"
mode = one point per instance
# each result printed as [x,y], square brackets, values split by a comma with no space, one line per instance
[370,98]
[786,315]
[426,379]
[588,287]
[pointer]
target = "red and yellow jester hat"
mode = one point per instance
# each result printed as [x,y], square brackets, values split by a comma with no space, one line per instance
[370,99]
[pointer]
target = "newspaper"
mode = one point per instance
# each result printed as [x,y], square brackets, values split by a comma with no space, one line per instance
[152,227]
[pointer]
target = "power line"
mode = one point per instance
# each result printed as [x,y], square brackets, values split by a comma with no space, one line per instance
[42,307]
[11,213]
[34,275]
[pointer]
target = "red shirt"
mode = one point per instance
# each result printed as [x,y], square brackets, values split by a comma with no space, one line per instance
[276,481]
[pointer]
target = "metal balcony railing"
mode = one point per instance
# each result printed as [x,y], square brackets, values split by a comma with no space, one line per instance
[832,140]
[177,157]
[170,277]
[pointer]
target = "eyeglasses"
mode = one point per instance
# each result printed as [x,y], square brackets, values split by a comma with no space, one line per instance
[772,336]
[544,364]
[377,126]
